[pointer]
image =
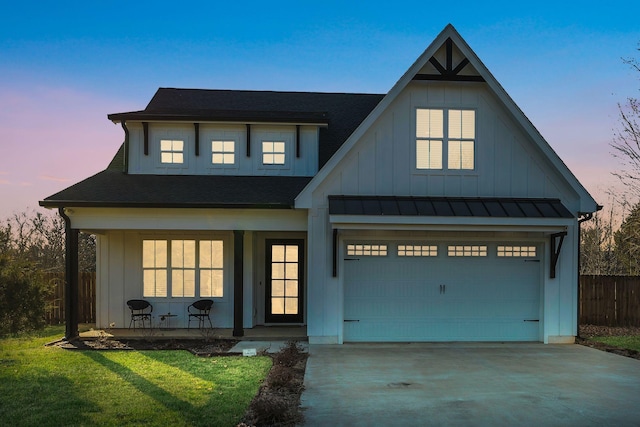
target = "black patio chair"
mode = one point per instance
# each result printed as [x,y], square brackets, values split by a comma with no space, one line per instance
[200,310]
[140,311]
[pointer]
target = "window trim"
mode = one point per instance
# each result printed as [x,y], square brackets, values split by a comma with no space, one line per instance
[370,249]
[168,269]
[444,141]
[285,152]
[233,165]
[173,152]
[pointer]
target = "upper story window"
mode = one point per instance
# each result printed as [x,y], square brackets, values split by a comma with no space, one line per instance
[440,128]
[273,152]
[171,151]
[223,152]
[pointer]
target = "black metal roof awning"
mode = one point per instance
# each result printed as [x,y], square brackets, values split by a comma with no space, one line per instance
[448,206]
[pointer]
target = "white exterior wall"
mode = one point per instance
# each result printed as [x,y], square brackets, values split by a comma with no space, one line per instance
[119,254]
[304,165]
[508,164]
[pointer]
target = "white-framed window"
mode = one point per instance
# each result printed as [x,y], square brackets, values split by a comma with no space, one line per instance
[273,152]
[171,151]
[154,268]
[367,249]
[417,250]
[467,250]
[445,131]
[223,152]
[516,251]
[182,268]
[429,137]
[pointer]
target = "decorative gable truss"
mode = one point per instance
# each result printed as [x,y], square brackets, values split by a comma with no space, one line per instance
[449,55]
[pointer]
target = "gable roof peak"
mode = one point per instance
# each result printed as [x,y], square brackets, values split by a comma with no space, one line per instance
[437,63]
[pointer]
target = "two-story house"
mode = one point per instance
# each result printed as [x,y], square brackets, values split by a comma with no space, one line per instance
[435,212]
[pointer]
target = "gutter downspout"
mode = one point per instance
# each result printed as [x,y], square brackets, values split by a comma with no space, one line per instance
[583,217]
[126,146]
[71,278]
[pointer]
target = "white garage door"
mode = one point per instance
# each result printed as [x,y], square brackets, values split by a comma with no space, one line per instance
[421,291]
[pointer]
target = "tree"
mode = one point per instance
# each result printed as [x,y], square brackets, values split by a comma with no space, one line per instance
[627,244]
[40,238]
[23,293]
[626,142]
[32,244]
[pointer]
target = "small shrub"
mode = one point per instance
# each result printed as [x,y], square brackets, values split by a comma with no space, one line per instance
[289,355]
[281,377]
[269,409]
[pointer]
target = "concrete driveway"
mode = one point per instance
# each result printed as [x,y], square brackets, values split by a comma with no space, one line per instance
[469,385]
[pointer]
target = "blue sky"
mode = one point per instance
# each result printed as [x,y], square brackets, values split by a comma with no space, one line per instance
[65,66]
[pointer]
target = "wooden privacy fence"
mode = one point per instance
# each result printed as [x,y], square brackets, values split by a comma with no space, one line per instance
[610,300]
[54,309]
[604,300]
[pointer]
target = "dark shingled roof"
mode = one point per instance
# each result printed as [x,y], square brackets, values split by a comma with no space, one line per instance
[111,188]
[340,112]
[448,206]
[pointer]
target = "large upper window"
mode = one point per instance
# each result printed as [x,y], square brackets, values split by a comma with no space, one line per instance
[273,152]
[171,151]
[182,268]
[441,132]
[223,152]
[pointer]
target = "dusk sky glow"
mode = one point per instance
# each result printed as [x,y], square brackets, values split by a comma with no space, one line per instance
[65,66]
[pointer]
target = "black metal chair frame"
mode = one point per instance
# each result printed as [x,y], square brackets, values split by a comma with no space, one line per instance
[138,309]
[203,308]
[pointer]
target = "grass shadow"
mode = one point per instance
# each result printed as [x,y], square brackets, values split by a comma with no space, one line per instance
[42,399]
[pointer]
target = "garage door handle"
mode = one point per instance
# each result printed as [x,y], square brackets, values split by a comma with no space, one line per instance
[352,259]
[531,320]
[531,260]
[351,320]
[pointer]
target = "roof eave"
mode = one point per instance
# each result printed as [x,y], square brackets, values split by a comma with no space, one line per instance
[159,205]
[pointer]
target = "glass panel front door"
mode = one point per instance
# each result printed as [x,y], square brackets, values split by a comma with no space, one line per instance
[285,272]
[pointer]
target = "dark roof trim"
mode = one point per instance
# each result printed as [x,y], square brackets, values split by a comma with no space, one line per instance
[224,116]
[155,205]
[448,206]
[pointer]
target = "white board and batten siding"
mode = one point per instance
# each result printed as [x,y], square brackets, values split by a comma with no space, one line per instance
[306,164]
[508,163]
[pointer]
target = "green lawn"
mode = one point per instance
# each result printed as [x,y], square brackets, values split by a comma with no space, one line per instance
[49,386]
[629,342]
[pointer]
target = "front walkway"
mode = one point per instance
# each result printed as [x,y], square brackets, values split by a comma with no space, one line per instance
[469,385]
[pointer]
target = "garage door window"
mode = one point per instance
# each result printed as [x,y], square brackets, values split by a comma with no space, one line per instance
[516,251]
[467,250]
[417,250]
[367,250]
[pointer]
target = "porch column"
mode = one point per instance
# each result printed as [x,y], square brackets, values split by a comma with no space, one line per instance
[238,282]
[71,279]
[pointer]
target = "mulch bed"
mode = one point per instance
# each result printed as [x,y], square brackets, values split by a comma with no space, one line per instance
[587,332]
[214,347]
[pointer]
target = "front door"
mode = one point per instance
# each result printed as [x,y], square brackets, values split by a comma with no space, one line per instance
[285,270]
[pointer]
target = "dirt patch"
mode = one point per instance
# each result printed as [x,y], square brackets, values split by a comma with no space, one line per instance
[277,403]
[588,332]
[198,347]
